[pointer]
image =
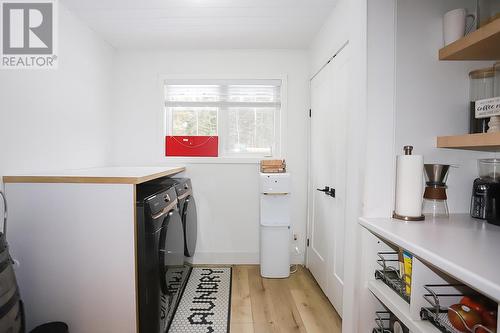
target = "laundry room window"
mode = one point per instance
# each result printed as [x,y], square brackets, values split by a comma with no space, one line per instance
[243,115]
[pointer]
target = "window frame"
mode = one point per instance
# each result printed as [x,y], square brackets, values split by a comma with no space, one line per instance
[280,119]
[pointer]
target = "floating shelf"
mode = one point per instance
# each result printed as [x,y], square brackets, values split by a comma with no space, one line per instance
[482,44]
[480,141]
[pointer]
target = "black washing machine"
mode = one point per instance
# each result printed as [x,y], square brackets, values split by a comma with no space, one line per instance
[187,209]
[162,274]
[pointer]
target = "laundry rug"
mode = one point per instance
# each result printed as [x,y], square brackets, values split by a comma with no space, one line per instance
[205,306]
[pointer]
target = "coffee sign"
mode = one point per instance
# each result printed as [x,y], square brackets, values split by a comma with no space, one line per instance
[489,107]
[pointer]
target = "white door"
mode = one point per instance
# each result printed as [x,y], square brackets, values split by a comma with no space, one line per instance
[329,104]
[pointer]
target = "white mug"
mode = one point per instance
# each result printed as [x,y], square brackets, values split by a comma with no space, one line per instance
[454,25]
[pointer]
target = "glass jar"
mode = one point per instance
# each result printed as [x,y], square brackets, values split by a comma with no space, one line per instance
[489,169]
[481,86]
[486,11]
[435,208]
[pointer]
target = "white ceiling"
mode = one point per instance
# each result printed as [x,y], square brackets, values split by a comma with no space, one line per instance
[204,24]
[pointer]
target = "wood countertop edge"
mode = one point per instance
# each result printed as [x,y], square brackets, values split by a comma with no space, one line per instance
[159,174]
[91,179]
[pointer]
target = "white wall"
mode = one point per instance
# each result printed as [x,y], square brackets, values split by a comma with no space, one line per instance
[381,53]
[226,194]
[432,96]
[333,34]
[379,172]
[58,119]
[347,22]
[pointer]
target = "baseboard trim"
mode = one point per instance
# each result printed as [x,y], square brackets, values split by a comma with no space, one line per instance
[233,258]
[227,258]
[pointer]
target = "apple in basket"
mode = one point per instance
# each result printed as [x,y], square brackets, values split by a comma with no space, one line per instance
[463,317]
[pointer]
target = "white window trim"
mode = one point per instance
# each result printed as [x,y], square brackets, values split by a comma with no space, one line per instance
[227,159]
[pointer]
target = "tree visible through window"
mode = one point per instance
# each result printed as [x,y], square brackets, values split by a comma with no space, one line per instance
[194,121]
[244,114]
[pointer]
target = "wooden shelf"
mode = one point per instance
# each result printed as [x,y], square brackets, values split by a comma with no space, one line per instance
[481,141]
[482,44]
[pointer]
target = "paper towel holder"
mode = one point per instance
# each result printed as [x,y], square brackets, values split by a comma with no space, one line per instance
[407,218]
[407,151]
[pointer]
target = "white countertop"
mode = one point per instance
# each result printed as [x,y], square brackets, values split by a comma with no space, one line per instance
[460,246]
[109,175]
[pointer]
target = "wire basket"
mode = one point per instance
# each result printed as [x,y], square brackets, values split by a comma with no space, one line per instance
[439,296]
[382,319]
[391,275]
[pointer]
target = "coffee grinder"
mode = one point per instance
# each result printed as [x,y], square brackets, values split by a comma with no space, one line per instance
[435,198]
[485,201]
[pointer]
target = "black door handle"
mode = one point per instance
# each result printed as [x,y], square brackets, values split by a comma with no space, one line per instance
[328,191]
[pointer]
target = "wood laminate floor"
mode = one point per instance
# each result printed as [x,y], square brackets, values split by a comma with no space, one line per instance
[296,304]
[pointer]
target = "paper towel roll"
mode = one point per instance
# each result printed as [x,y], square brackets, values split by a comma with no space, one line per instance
[409,185]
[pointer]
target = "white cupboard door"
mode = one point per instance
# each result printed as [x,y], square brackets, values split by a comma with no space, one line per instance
[329,122]
[322,152]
